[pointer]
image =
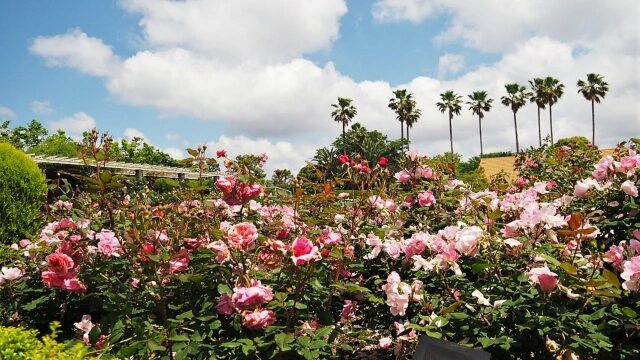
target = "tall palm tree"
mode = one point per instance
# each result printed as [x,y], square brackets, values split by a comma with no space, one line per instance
[479,103]
[552,90]
[452,103]
[594,89]
[411,119]
[405,107]
[516,98]
[537,98]
[343,113]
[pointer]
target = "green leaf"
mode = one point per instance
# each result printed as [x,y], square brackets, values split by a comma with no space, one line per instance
[192,152]
[185,315]
[550,259]
[458,315]
[181,337]
[611,278]
[105,176]
[323,331]
[629,312]
[569,268]
[479,267]
[153,346]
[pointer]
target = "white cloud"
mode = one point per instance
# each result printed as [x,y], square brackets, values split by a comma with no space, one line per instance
[174,153]
[450,64]
[399,10]
[41,107]
[130,133]
[76,50]
[241,30]
[172,136]
[282,154]
[6,113]
[74,125]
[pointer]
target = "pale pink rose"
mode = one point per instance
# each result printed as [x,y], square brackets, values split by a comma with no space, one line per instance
[583,186]
[545,278]
[467,240]
[85,325]
[11,273]
[221,249]
[258,319]
[513,242]
[242,236]
[416,244]
[74,285]
[634,246]
[402,176]
[425,172]
[348,310]
[636,234]
[249,297]
[629,188]
[615,255]
[303,251]
[108,243]
[135,282]
[225,305]
[426,198]
[179,263]
[413,154]
[631,274]
[385,342]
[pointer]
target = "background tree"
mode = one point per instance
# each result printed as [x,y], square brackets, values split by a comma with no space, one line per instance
[343,112]
[282,178]
[412,118]
[537,98]
[515,99]
[451,103]
[594,89]
[405,107]
[57,144]
[552,90]
[479,104]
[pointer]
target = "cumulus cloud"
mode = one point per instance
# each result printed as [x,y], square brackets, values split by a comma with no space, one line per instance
[74,125]
[76,50]
[174,153]
[283,96]
[282,154]
[41,107]
[131,133]
[240,30]
[400,10]
[450,64]
[6,113]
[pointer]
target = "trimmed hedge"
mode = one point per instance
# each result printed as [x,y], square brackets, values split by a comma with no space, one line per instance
[19,344]
[22,190]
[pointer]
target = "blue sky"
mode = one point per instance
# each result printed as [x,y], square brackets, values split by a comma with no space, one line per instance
[173,76]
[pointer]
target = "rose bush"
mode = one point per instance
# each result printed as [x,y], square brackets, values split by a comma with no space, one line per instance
[546,268]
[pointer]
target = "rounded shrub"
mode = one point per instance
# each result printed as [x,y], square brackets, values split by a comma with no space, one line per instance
[18,344]
[22,191]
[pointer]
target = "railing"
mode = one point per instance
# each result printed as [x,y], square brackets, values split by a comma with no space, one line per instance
[123,168]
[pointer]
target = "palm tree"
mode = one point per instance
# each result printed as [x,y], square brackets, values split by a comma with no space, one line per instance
[552,90]
[411,119]
[594,89]
[343,113]
[478,105]
[516,98]
[537,98]
[452,103]
[405,107]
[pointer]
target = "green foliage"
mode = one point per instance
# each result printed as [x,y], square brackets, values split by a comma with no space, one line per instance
[20,344]
[164,185]
[497,154]
[22,191]
[58,144]
[139,152]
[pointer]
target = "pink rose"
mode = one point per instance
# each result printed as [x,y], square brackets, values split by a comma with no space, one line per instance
[467,240]
[426,198]
[615,255]
[108,243]
[258,319]
[225,305]
[303,251]
[631,274]
[135,282]
[179,263]
[10,274]
[249,297]
[416,245]
[402,176]
[545,278]
[348,310]
[242,236]
[221,153]
[385,342]
[59,263]
[629,188]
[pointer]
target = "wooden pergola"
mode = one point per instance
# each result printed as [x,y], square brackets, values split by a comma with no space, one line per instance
[130,169]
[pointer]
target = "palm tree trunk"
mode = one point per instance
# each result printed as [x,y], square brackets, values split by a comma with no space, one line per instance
[551,123]
[450,131]
[408,141]
[515,123]
[539,130]
[401,130]
[593,123]
[480,128]
[344,136]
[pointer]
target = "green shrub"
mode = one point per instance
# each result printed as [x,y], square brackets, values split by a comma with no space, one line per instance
[164,185]
[22,191]
[19,344]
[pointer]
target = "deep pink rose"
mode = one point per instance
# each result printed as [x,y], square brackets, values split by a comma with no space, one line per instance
[108,243]
[249,297]
[426,198]
[59,263]
[545,278]
[303,251]
[225,305]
